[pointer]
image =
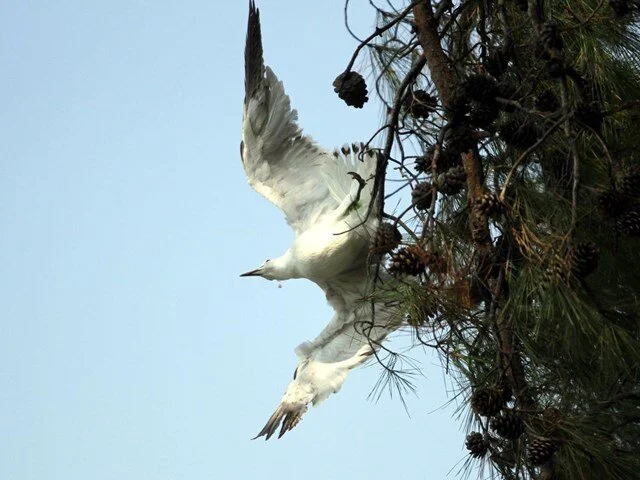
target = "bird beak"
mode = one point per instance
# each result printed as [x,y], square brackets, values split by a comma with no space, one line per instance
[252,273]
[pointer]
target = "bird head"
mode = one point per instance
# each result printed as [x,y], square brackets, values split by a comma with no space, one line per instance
[273,269]
[264,271]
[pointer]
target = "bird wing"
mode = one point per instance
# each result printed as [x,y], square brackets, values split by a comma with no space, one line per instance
[346,337]
[325,362]
[314,382]
[286,167]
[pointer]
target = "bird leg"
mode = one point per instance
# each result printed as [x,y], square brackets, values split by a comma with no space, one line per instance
[361,185]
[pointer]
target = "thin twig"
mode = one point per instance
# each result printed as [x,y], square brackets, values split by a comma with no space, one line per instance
[378,31]
[378,183]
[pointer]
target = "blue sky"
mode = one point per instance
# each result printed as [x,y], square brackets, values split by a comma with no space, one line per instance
[129,346]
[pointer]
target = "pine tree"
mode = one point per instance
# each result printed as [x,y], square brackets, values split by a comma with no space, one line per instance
[523,271]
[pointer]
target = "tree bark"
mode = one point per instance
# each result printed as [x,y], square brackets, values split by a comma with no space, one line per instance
[444,79]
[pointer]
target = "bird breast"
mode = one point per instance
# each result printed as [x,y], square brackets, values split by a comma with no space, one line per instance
[325,251]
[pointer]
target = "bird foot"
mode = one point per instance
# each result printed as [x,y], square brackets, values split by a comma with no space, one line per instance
[361,185]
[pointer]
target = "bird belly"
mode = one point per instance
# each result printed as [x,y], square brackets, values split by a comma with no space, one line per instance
[321,254]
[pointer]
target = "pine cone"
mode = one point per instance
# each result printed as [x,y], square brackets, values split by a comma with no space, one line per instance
[488,205]
[452,181]
[629,221]
[459,139]
[423,162]
[583,259]
[409,260]
[629,183]
[420,104]
[487,402]
[612,203]
[483,114]
[446,160]
[620,7]
[422,195]
[477,444]
[386,238]
[558,269]
[351,87]
[546,102]
[550,37]
[480,88]
[508,424]
[541,450]
[518,135]
[479,229]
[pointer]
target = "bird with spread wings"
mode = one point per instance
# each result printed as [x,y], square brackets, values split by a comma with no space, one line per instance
[324,197]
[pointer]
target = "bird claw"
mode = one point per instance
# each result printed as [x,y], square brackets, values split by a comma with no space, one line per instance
[361,184]
[358,178]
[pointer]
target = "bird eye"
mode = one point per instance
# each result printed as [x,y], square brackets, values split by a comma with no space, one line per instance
[267,260]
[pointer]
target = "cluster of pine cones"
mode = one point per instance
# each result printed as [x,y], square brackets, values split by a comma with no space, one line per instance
[506,423]
[419,104]
[580,261]
[409,260]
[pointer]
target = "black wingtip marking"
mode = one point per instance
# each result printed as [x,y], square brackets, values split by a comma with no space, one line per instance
[253,60]
[284,418]
[272,424]
[290,421]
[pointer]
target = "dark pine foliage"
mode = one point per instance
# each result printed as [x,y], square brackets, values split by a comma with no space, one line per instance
[513,125]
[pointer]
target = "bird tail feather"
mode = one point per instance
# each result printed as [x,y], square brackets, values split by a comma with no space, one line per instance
[354,159]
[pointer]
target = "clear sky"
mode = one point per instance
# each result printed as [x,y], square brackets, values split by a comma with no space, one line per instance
[129,346]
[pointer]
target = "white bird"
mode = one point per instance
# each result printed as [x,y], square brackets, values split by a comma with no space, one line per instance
[313,187]
[346,342]
[326,209]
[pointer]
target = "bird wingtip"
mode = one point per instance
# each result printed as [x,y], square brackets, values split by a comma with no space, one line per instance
[272,424]
[252,8]
[284,418]
[254,64]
